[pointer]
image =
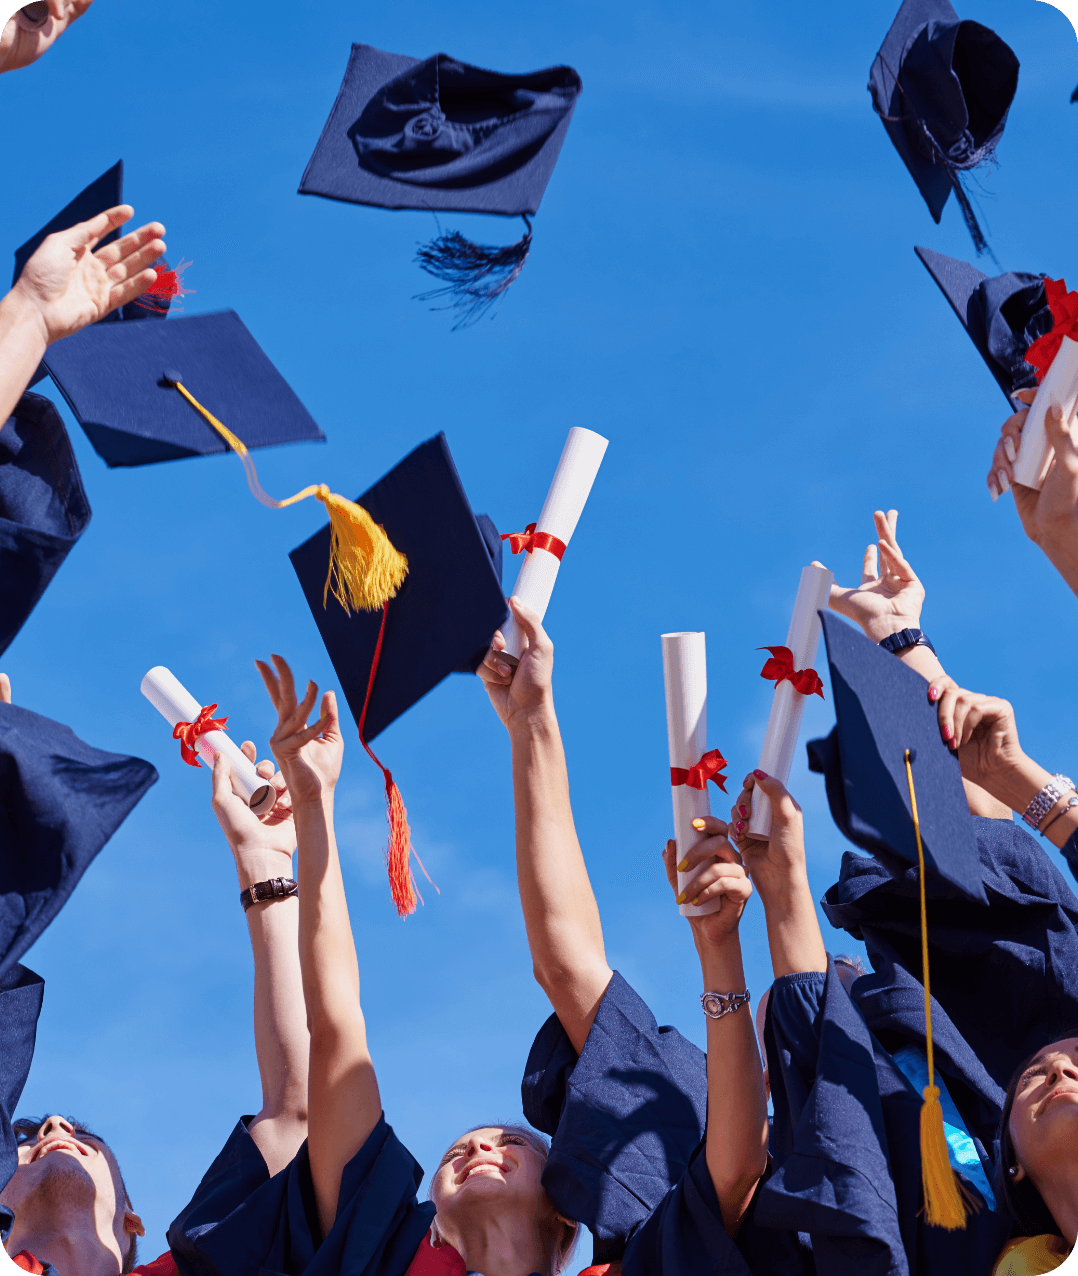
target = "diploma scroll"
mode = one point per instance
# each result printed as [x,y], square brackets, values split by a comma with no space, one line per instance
[577,468]
[1060,386]
[788,706]
[685,677]
[176,704]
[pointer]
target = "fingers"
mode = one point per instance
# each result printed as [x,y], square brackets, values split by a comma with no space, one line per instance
[143,243]
[886,526]
[121,294]
[498,673]
[712,844]
[670,863]
[1001,475]
[529,622]
[87,234]
[742,808]
[265,769]
[287,685]
[5,689]
[1025,396]
[782,803]
[718,879]
[869,570]
[222,781]
[272,684]
[894,565]
[330,716]
[247,748]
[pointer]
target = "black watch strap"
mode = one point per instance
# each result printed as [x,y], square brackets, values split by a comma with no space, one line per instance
[275,888]
[894,643]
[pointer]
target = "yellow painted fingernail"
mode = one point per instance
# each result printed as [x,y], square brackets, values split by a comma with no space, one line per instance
[698,824]
[681,898]
[696,900]
[683,867]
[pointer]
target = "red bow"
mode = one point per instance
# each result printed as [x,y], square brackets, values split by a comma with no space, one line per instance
[696,777]
[780,668]
[1064,308]
[188,732]
[529,539]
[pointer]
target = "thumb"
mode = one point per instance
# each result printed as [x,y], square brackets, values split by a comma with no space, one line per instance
[529,623]
[1060,437]
[781,801]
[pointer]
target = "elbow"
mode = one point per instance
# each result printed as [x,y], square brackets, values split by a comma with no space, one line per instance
[735,1188]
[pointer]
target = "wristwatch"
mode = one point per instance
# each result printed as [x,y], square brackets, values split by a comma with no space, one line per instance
[717,1004]
[275,888]
[894,643]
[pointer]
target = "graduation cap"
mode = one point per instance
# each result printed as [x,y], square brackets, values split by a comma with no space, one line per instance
[895,789]
[1003,315]
[60,802]
[113,378]
[102,194]
[439,621]
[440,135]
[942,88]
[43,508]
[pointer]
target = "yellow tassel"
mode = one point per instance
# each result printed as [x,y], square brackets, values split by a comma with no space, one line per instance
[365,570]
[944,1201]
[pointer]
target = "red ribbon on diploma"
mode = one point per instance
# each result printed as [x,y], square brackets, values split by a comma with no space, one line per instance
[529,539]
[188,732]
[780,668]
[1064,308]
[696,777]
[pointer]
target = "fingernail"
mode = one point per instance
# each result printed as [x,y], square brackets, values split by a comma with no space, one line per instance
[743,810]
[681,898]
[993,491]
[683,867]
[741,826]
[1008,447]
[933,693]
[947,733]
[1004,481]
[504,670]
[760,775]
[696,900]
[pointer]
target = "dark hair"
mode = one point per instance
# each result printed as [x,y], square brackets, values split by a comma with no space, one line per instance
[26,1128]
[1021,1200]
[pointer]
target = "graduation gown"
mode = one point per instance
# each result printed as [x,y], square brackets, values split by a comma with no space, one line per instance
[846,1142]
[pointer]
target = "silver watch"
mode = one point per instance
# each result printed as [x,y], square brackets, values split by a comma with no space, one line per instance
[717,1004]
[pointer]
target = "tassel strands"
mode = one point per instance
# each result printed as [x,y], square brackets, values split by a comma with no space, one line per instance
[365,569]
[945,1203]
[476,275]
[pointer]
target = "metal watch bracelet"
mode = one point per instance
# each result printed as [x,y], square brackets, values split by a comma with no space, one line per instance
[1056,787]
[717,1004]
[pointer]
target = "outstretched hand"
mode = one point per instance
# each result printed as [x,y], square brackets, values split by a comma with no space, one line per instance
[245,831]
[309,757]
[67,285]
[716,870]
[525,689]
[890,596]
[35,28]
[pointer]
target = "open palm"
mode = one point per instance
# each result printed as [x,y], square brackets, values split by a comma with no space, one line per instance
[890,596]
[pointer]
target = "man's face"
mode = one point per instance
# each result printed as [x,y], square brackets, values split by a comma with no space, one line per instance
[63,1168]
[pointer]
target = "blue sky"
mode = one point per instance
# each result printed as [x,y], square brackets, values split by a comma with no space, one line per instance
[723,283]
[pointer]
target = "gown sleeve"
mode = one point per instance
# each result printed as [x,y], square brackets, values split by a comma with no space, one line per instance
[241,1222]
[625,1116]
[21,992]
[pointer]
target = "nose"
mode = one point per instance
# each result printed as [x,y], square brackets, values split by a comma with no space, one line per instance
[1062,1068]
[54,1127]
[477,1144]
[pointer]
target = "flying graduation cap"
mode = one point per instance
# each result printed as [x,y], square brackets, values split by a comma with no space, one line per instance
[943,88]
[439,620]
[440,135]
[1003,315]
[895,789]
[43,508]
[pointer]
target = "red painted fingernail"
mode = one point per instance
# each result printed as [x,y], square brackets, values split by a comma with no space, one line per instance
[760,775]
[740,826]
[947,733]
[933,693]
[742,810]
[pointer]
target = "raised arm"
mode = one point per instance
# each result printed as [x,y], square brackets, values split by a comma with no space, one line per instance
[35,28]
[736,1143]
[262,849]
[343,1101]
[65,286]
[560,912]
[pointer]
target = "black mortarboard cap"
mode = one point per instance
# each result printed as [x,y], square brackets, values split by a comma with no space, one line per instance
[943,88]
[60,802]
[1003,314]
[113,378]
[442,618]
[440,135]
[883,709]
[43,508]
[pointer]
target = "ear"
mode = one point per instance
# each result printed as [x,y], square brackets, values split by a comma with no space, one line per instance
[1019,1173]
[132,1223]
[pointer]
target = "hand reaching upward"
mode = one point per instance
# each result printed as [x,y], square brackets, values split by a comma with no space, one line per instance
[35,28]
[309,757]
[890,596]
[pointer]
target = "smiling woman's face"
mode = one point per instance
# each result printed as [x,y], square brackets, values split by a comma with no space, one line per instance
[491,1165]
[1044,1118]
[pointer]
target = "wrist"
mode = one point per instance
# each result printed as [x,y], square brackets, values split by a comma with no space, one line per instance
[20,310]
[538,719]
[260,864]
[1018,784]
[721,964]
[879,627]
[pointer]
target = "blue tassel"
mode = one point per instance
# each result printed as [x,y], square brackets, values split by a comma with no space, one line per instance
[476,275]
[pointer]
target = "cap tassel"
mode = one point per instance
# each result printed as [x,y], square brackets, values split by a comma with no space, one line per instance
[476,274]
[365,569]
[168,284]
[945,1201]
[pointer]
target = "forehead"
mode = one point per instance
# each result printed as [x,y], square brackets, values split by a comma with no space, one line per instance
[1069,1045]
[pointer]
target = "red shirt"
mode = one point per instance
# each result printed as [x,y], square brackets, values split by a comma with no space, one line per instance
[163,1266]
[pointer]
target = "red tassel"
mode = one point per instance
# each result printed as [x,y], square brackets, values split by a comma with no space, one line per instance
[169,284]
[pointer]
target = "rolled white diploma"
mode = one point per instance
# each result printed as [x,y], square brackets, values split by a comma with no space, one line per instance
[580,460]
[685,677]
[1060,386]
[788,706]
[176,704]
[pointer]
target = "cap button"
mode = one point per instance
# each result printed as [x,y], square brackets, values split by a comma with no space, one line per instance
[171,377]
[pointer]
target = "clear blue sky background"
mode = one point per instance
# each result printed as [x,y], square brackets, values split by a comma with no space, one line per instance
[723,283]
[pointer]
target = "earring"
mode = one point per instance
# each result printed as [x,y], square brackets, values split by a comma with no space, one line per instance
[1013,1171]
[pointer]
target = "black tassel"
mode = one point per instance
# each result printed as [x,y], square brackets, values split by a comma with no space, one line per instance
[976,234]
[476,275]
[1074,96]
